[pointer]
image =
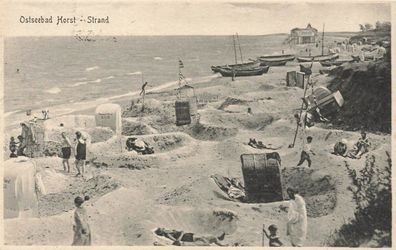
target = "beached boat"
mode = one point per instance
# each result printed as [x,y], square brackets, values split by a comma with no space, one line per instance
[228,72]
[275,60]
[336,62]
[320,58]
[238,66]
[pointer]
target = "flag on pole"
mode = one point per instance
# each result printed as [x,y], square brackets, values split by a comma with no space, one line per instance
[181,65]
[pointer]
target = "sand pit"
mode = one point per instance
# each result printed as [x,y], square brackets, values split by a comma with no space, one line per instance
[195,220]
[134,127]
[56,203]
[237,120]
[113,153]
[318,190]
[208,132]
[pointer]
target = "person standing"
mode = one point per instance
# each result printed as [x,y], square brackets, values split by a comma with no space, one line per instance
[306,152]
[297,219]
[81,152]
[66,152]
[143,92]
[82,232]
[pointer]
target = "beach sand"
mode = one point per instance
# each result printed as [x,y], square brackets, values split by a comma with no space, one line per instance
[172,188]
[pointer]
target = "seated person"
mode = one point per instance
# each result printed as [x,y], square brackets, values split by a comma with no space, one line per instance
[273,237]
[179,236]
[362,145]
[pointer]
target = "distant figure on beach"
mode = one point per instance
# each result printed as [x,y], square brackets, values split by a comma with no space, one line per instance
[179,236]
[82,232]
[143,92]
[297,219]
[17,70]
[66,152]
[273,236]
[81,152]
[45,114]
[13,147]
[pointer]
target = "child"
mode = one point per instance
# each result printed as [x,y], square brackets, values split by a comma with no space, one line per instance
[305,154]
[273,236]
[13,147]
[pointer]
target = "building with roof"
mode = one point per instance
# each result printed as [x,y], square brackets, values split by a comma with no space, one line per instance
[303,36]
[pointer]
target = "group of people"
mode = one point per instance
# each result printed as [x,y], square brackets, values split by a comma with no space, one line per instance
[296,228]
[25,139]
[80,152]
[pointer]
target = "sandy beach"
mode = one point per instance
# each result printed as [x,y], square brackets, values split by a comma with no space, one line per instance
[133,194]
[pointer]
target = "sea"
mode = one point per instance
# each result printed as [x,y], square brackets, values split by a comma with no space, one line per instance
[43,72]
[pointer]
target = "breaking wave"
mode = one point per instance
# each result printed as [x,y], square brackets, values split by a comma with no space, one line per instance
[54,90]
[92,68]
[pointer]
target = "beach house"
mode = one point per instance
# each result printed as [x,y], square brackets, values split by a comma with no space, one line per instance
[303,36]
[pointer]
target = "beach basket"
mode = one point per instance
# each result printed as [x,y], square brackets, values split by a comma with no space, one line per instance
[291,78]
[300,80]
[187,93]
[183,116]
[262,177]
[326,101]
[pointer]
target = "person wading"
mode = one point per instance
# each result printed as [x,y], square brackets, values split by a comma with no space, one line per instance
[81,151]
[82,232]
[297,219]
[66,152]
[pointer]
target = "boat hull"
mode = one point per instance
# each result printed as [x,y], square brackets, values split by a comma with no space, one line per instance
[317,58]
[228,72]
[272,63]
[334,63]
[240,66]
[275,60]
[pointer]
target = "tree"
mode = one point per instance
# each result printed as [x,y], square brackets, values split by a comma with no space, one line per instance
[362,28]
[378,25]
[368,26]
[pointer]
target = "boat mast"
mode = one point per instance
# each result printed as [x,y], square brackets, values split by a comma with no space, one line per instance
[236,59]
[240,50]
[323,39]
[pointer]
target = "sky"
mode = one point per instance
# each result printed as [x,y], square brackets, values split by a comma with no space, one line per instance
[194,18]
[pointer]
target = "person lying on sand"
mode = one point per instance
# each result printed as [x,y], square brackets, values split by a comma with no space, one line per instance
[232,187]
[138,145]
[179,236]
[259,145]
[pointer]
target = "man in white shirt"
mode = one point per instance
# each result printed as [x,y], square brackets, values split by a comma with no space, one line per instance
[306,152]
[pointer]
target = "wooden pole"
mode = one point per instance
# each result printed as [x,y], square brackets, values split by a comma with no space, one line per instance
[323,39]
[235,55]
[302,105]
[240,50]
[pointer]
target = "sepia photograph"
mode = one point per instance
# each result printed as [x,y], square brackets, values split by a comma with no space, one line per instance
[205,123]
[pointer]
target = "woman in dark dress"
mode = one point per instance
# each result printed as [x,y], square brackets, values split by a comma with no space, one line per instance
[81,152]
[66,152]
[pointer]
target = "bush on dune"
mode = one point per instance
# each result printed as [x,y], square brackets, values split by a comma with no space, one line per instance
[372,224]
